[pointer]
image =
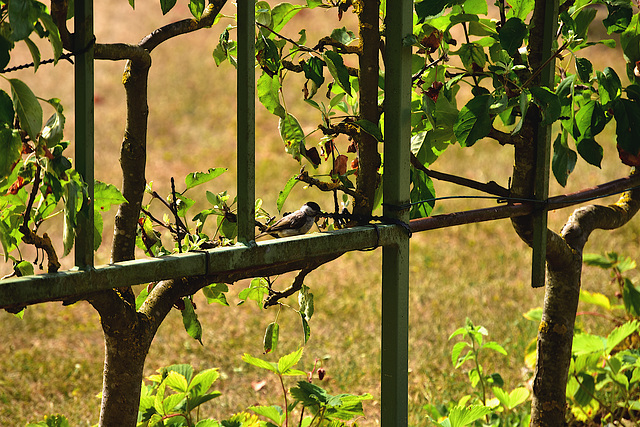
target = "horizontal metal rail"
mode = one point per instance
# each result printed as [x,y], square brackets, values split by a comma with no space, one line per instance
[239,261]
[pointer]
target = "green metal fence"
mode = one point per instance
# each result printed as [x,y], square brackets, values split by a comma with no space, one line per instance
[86,278]
[234,262]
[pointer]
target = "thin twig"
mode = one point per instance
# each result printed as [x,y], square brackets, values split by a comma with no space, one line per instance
[174,210]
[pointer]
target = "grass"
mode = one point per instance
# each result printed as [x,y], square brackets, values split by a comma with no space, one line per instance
[52,360]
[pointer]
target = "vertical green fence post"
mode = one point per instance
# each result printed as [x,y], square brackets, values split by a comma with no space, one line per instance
[246,121]
[395,259]
[84,114]
[543,153]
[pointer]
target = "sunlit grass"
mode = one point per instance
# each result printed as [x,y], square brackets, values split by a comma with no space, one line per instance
[52,360]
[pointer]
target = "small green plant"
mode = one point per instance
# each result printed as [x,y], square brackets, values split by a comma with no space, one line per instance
[51,421]
[604,377]
[326,409]
[505,409]
[173,396]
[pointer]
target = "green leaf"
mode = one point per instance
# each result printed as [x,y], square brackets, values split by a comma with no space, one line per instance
[627,115]
[167,5]
[98,226]
[273,413]
[520,8]
[23,15]
[306,329]
[590,119]
[27,107]
[284,193]
[5,52]
[584,69]
[460,416]
[216,293]
[512,35]
[342,35]
[190,321]
[142,297]
[256,291]
[548,102]
[590,150]
[292,135]
[305,301]
[631,298]
[203,381]
[457,350]
[423,194]
[473,122]
[370,128]
[171,402]
[7,112]
[428,8]
[73,195]
[25,268]
[105,196]
[263,13]
[564,160]
[610,87]
[336,67]
[470,54]
[35,53]
[492,345]
[619,17]
[313,70]
[282,13]
[260,363]
[587,343]
[501,395]
[271,335]
[595,298]
[51,421]
[10,151]
[196,7]
[586,391]
[53,35]
[197,178]
[288,361]
[620,333]
[54,127]
[268,89]
[598,260]
[176,382]
[518,396]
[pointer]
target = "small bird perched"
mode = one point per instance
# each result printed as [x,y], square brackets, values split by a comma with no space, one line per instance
[294,224]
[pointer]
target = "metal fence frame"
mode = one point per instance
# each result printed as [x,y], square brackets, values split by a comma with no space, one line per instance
[87,278]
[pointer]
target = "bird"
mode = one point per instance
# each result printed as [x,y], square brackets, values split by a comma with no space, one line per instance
[295,223]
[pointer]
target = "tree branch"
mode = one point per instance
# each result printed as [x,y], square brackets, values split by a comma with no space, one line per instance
[340,47]
[184,26]
[490,187]
[275,296]
[325,186]
[368,156]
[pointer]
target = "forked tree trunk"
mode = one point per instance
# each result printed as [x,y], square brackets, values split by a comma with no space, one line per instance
[555,334]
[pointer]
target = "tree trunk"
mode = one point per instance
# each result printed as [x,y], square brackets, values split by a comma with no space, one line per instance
[368,156]
[555,337]
[125,353]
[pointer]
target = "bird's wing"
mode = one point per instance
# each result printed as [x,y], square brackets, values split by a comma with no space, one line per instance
[293,220]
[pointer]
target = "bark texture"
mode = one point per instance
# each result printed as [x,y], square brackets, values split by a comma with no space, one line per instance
[368,156]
